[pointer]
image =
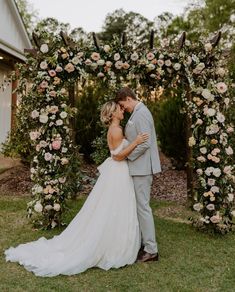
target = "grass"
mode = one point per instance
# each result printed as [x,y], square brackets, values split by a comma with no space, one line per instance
[189,260]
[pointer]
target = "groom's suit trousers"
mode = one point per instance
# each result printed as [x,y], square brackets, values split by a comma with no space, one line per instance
[142,186]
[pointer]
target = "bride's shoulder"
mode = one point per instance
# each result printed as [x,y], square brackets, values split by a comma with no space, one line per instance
[115,131]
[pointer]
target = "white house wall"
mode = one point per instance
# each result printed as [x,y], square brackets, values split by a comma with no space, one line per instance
[13,36]
[5,106]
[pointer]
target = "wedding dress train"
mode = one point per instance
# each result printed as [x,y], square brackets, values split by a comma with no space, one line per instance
[105,233]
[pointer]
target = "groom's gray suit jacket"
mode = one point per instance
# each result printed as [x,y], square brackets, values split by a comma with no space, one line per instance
[144,159]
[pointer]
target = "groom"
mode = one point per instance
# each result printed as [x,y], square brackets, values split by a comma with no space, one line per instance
[143,162]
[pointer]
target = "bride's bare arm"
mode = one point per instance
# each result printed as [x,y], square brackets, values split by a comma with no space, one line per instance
[141,138]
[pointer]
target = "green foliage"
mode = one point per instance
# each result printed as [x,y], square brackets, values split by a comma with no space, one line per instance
[28,14]
[170,128]
[135,25]
[88,116]
[101,148]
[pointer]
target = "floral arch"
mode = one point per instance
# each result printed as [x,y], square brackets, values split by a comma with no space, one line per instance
[199,67]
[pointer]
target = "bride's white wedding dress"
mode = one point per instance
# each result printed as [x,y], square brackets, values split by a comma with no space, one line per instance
[105,233]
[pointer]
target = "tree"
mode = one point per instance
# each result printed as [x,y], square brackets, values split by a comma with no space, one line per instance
[136,27]
[28,14]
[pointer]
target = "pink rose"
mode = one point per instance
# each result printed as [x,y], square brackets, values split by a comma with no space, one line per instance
[44,84]
[56,144]
[52,73]
[52,93]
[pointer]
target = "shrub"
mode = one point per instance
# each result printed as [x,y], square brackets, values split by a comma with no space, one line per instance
[170,126]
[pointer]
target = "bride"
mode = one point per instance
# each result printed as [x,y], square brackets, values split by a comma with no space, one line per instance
[105,233]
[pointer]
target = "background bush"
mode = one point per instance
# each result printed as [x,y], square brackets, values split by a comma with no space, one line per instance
[170,126]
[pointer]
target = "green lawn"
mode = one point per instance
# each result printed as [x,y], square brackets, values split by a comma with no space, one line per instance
[189,260]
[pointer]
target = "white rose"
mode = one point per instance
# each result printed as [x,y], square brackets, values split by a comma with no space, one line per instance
[229,150]
[168,63]
[150,67]
[44,48]
[43,118]
[216,172]
[197,207]
[57,207]
[177,66]
[230,130]
[116,56]
[201,159]
[64,161]
[215,219]
[118,64]
[59,122]
[48,207]
[215,189]
[199,122]
[220,117]
[88,62]
[221,87]
[228,169]
[101,62]
[53,224]
[211,112]
[38,207]
[207,95]
[35,114]
[230,197]
[43,65]
[210,207]
[203,150]
[108,64]
[211,182]
[63,115]
[43,143]
[199,171]
[106,48]
[209,170]
[134,56]
[160,62]
[212,129]
[64,149]
[94,66]
[34,135]
[100,75]
[62,180]
[76,60]
[233,213]
[226,101]
[47,156]
[58,69]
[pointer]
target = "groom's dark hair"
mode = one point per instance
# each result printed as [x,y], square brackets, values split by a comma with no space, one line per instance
[123,93]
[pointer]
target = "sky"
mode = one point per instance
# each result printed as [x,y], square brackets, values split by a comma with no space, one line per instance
[90,14]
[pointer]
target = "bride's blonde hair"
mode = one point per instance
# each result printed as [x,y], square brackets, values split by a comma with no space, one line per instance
[107,111]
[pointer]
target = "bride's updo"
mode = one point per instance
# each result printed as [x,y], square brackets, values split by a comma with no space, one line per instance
[107,111]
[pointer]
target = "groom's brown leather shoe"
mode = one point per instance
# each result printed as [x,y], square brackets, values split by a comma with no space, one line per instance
[147,257]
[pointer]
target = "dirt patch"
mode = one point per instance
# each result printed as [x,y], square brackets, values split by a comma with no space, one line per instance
[170,184]
[15,181]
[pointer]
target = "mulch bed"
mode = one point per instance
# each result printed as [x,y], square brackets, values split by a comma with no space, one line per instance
[170,184]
